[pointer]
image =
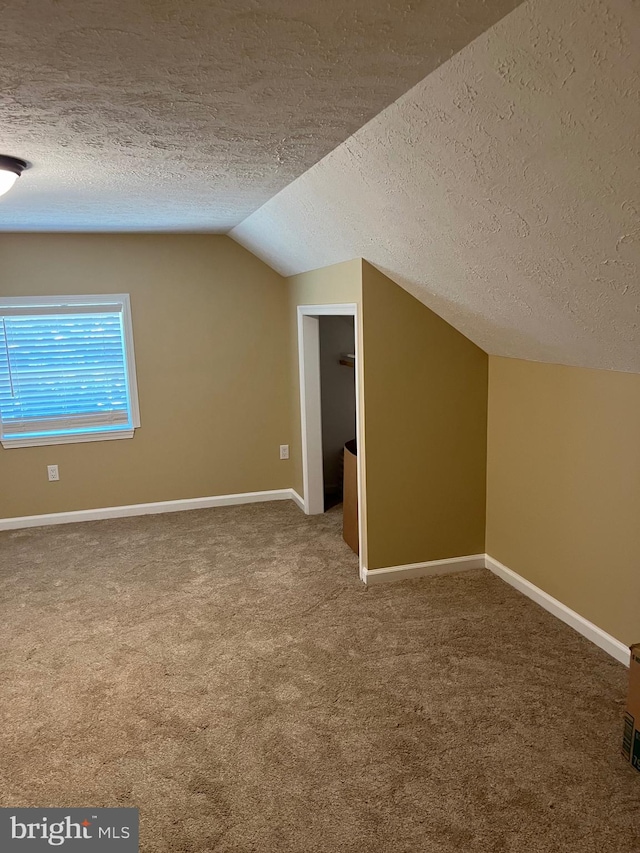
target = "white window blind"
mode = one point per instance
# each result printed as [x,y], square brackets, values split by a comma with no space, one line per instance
[66,370]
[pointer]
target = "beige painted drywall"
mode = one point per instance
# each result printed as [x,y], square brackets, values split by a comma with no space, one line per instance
[563,486]
[425,419]
[212,354]
[331,285]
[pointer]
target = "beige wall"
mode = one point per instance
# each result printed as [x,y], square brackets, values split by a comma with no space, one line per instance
[563,506]
[212,352]
[330,285]
[425,420]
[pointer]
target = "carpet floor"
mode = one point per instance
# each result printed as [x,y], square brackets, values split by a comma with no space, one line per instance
[226,672]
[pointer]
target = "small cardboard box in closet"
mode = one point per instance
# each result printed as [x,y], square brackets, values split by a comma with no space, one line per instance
[631,736]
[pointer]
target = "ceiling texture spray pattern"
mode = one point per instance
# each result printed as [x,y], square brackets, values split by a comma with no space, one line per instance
[502,190]
[154,114]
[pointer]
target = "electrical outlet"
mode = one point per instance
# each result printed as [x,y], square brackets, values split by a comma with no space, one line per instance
[52,471]
[284,451]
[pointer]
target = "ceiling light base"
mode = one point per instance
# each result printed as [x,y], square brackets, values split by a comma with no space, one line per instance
[13,164]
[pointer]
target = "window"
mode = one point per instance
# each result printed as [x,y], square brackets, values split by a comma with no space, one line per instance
[67,370]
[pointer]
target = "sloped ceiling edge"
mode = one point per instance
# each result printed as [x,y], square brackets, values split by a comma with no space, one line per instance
[501,191]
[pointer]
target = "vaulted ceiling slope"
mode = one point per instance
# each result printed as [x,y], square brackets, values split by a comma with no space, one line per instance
[159,114]
[502,190]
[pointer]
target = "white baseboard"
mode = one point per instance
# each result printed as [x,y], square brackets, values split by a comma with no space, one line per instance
[148,509]
[421,570]
[583,626]
[295,497]
[605,641]
[370,576]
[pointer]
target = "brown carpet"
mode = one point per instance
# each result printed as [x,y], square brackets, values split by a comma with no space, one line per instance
[226,672]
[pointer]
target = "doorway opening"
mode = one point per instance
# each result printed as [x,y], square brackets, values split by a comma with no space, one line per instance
[337,401]
[329,409]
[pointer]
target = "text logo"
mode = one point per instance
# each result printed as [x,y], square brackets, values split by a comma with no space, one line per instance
[86,830]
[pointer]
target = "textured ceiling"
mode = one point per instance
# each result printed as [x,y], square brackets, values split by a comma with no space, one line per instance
[158,114]
[502,190]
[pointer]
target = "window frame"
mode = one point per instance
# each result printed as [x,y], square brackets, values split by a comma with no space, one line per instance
[123,302]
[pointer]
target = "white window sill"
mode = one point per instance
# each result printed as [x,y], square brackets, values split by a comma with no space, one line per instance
[44,441]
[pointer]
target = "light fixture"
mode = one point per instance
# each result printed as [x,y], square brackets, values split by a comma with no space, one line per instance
[10,170]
